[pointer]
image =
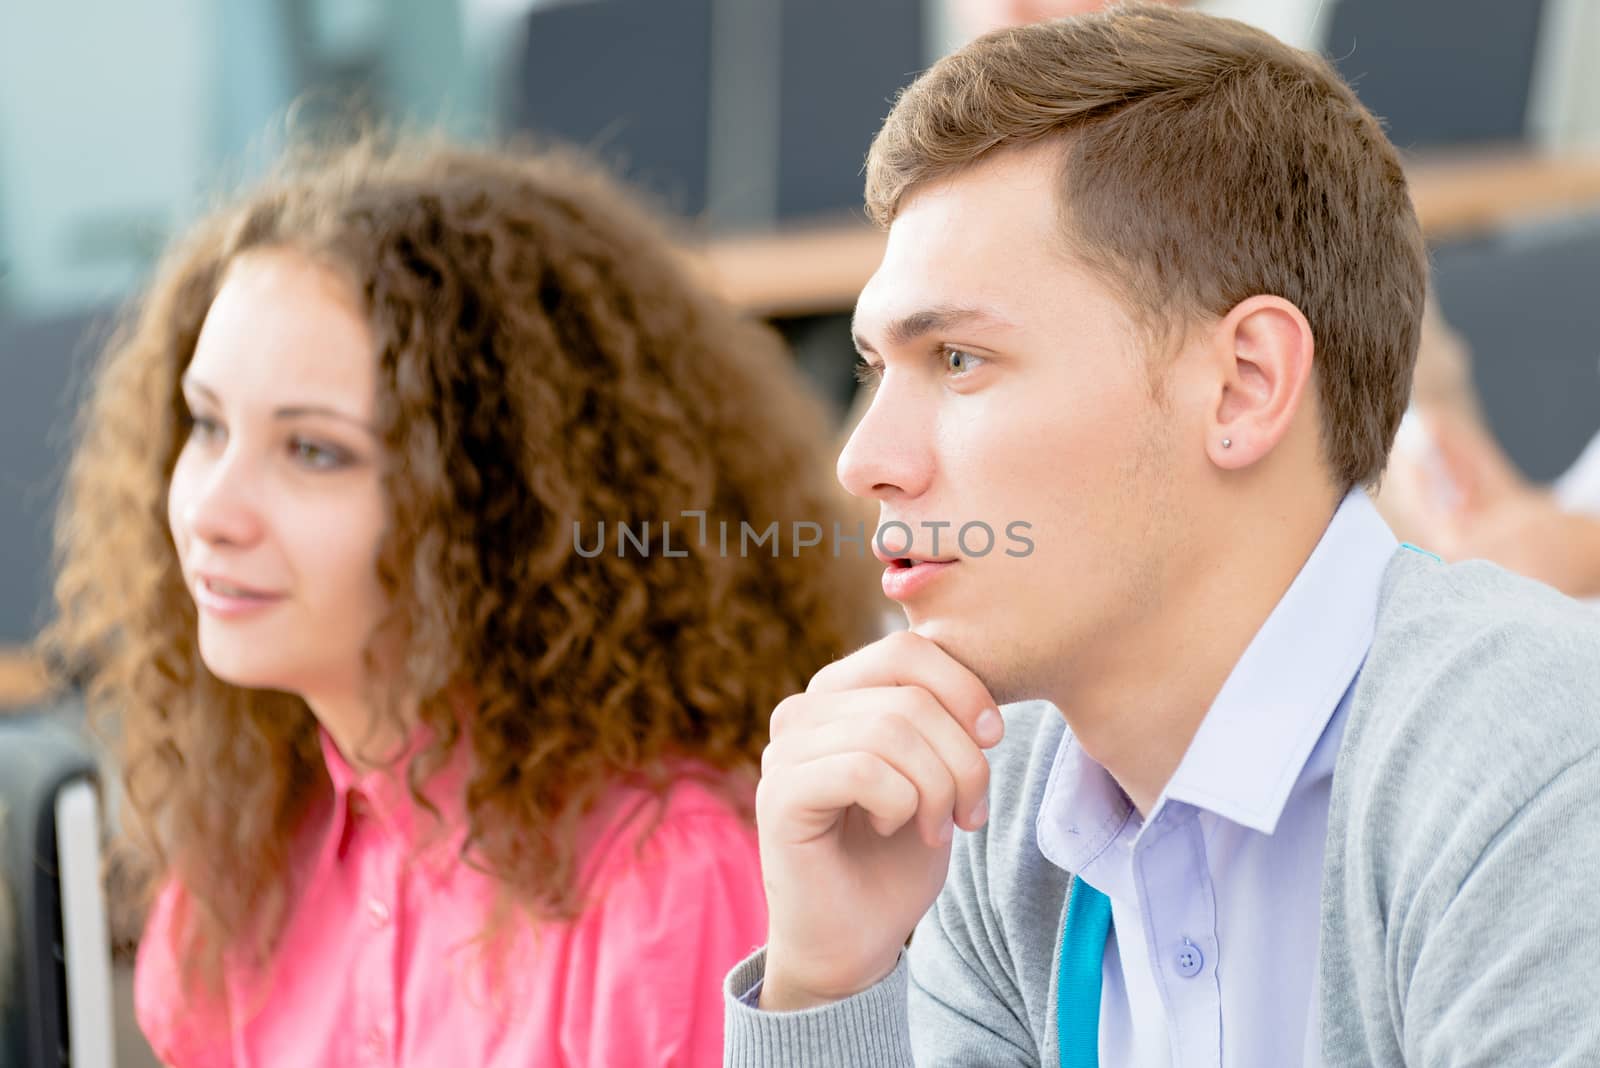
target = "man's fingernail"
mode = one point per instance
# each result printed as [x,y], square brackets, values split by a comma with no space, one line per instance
[980,814]
[989,726]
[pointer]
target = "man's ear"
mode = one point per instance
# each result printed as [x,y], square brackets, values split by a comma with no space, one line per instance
[1262,352]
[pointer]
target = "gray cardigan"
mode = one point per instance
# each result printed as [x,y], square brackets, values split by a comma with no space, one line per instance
[1461,886]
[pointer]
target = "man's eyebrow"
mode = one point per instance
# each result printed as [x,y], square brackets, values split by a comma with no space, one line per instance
[919,324]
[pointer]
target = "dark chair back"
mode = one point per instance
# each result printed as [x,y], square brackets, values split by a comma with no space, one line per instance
[1524,300]
[58,1002]
[1440,72]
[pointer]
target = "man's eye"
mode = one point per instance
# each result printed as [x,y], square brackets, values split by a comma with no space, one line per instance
[960,362]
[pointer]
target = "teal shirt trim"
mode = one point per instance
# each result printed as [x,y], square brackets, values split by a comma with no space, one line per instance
[1435,557]
[1083,950]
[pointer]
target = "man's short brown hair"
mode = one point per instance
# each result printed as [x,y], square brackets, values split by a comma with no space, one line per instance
[1204,162]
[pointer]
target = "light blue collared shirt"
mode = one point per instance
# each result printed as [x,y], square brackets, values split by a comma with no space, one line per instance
[1215,899]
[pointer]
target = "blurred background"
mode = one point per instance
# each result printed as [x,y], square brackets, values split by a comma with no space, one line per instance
[745,117]
[748,119]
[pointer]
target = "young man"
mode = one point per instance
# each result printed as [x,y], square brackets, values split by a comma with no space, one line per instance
[1301,796]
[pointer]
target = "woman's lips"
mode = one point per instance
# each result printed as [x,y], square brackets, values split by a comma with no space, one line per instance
[227,600]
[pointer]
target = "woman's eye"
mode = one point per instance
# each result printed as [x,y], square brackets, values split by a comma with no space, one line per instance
[204,428]
[959,362]
[868,374]
[319,457]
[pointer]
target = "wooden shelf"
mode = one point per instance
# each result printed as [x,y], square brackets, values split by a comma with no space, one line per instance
[821,268]
[22,678]
[1461,194]
[812,271]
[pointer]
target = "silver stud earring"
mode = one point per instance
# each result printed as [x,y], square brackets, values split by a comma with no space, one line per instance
[1227,443]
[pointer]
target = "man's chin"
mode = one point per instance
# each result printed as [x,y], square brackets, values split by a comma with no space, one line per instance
[996,665]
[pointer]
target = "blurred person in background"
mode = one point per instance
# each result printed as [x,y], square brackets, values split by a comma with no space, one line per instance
[413,780]
[974,18]
[1451,487]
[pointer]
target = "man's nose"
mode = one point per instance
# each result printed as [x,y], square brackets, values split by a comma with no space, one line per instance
[889,454]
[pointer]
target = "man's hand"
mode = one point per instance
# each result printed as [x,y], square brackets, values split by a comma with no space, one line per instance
[1531,534]
[867,775]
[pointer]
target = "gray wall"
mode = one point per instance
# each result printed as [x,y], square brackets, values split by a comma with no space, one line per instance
[42,366]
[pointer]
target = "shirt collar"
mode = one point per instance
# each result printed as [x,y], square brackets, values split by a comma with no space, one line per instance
[1082,813]
[1259,733]
[1253,744]
[383,795]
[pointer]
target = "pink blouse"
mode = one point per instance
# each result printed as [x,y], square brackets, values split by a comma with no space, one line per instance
[379,961]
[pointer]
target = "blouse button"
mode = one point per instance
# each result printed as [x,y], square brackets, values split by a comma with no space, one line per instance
[377,912]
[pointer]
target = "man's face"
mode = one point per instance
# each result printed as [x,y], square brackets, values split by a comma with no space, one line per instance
[1014,389]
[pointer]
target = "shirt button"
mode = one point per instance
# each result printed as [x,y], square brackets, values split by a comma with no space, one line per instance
[377,912]
[1189,960]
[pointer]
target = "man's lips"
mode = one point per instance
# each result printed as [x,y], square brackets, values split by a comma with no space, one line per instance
[905,577]
[906,558]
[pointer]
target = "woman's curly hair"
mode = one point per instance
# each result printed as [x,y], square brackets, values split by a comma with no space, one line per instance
[543,363]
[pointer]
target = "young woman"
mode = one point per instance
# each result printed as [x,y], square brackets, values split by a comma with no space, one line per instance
[420,782]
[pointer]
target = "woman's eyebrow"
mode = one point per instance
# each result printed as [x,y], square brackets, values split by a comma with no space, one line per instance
[289,411]
[295,410]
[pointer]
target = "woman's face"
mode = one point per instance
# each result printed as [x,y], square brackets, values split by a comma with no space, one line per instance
[276,504]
